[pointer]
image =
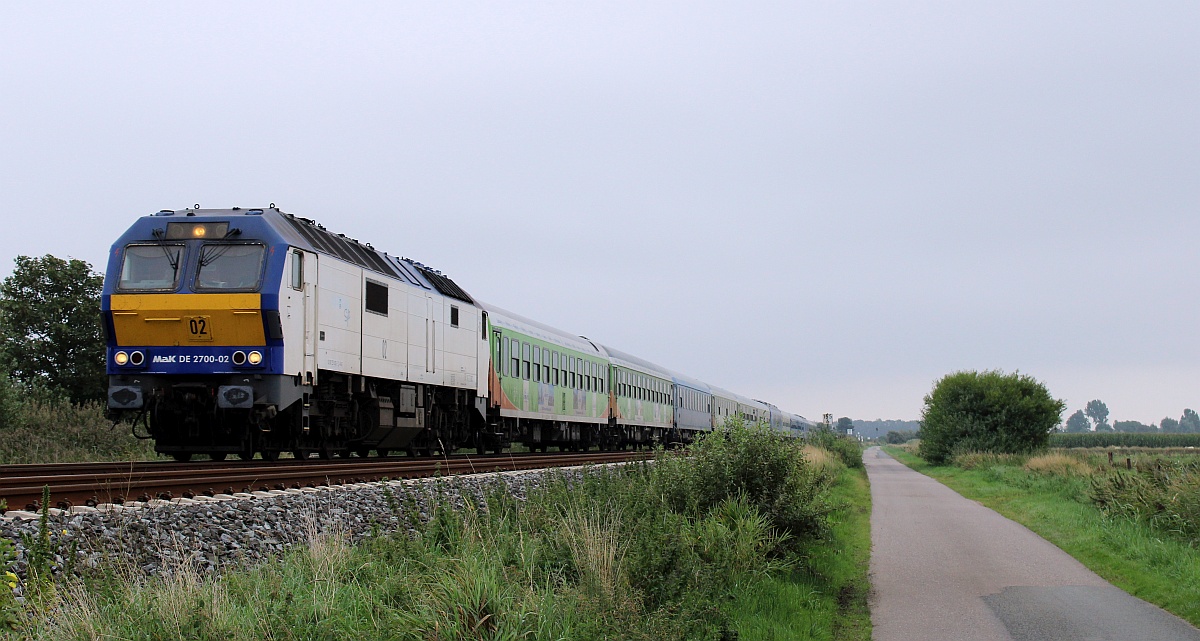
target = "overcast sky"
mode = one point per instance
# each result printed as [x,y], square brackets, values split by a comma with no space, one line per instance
[824,205]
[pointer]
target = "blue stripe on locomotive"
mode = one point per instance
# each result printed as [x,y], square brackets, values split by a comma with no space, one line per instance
[189,359]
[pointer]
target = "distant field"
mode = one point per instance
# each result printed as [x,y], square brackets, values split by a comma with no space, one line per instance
[1124,439]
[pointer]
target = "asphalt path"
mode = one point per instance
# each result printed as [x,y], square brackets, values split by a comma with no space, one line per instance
[946,568]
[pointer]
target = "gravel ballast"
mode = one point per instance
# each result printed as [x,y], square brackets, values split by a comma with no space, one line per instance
[242,530]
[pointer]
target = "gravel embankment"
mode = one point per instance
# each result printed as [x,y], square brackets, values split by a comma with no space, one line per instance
[245,529]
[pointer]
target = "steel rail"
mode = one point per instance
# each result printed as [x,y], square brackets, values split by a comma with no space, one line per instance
[94,483]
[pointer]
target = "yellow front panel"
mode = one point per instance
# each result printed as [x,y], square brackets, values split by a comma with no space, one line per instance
[203,320]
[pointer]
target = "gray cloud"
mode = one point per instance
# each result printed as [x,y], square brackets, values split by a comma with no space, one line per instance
[826,206]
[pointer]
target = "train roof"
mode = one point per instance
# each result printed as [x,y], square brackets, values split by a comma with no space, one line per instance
[530,327]
[311,236]
[687,381]
[633,362]
[272,224]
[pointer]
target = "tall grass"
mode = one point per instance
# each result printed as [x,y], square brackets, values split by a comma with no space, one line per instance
[1166,497]
[39,426]
[984,460]
[1058,464]
[826,598]
[666,550]
[1160,491]
[847,449]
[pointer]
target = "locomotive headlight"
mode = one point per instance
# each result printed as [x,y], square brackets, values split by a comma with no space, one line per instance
[120,358]
[254,358]
[239,357]
[137,358]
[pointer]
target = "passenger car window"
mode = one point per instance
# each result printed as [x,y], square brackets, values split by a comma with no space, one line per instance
[505,356]
[515,359]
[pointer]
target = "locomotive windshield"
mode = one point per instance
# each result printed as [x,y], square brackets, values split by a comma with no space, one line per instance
[150,267]
[230,266]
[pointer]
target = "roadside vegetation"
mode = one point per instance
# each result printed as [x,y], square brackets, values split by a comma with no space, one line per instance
[750,536]
[40,425]
[1130,514]
[987,412]
[52,368]
[1134,521]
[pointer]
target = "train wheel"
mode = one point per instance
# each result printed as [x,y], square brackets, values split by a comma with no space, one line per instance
[300,454]
[217,456]
[363,452]
[383,453]
[182,457]
[325,452]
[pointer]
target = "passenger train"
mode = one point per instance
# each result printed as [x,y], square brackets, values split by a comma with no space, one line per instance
[253,331]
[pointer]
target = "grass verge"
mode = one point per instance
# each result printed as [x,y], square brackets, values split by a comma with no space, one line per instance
[744,525]
[1130,555]
[37,426]
[828,599]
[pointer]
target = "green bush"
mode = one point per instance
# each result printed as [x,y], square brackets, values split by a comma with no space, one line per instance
[986,412]
[1124,439]
[758,464]
[846,448]
[899,437]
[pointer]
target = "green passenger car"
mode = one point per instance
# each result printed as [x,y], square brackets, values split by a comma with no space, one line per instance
[643,400]
[546,387]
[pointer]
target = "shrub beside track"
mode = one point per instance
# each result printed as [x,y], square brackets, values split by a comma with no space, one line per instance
[636,552]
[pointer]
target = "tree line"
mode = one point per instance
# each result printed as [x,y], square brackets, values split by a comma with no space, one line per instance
[1094,418]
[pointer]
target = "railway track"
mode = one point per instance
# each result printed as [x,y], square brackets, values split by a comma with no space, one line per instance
[90,484]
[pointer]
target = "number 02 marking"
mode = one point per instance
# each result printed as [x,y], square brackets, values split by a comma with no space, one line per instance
[199,329]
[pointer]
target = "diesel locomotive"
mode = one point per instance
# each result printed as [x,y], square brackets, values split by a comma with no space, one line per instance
[253,331]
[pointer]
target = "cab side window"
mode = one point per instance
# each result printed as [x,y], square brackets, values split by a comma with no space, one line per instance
[297,270]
